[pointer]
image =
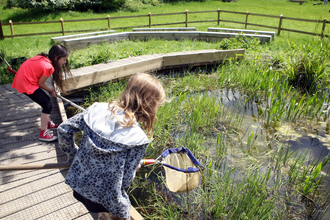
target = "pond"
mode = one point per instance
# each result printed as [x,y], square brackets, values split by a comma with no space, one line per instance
[247,140]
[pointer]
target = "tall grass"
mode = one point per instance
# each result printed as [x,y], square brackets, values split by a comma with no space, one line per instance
[243,180]
[278,184]
[273,192]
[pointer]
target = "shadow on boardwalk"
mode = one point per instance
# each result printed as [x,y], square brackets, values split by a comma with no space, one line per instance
[32,194]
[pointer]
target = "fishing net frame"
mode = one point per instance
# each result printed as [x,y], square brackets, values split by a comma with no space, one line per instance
[182,169]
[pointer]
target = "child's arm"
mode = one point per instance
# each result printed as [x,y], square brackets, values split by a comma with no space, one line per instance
[66,133]
[42,84]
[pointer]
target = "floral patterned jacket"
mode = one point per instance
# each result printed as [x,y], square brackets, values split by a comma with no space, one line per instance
[107,158]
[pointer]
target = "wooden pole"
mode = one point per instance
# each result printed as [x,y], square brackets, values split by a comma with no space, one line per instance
[246,19]
[323,27]
[35,166]
[186,18]
[218,16]
[280,25]
[62,23]
[1,32]
[109,21]
[149,19]
[11,28]
[63,165]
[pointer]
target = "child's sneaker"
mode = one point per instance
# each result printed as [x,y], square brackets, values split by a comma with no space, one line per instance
[51,125]
[46,136]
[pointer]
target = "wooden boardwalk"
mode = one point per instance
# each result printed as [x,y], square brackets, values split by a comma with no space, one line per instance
[37,194]
[42,194]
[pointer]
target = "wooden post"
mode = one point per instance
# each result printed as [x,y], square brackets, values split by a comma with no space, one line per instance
[11,28]
[218,16]
[246,19]
[280,25]
[149,19]
[186,18]
[1,32]
[323,27]
[109,21]
[62,22]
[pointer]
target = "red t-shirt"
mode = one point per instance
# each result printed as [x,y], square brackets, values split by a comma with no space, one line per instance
[28,75]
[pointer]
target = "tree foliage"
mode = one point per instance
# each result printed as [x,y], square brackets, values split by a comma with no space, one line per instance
[75,5]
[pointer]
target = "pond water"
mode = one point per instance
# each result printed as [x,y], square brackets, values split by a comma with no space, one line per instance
[302,135]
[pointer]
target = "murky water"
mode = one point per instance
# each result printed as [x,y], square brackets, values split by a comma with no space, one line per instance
[312,135]
[304,134]
[301,135]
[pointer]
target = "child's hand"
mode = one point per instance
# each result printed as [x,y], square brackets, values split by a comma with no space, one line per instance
[139,166]
[53,93]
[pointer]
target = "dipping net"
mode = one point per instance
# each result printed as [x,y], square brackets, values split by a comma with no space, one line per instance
[181,169]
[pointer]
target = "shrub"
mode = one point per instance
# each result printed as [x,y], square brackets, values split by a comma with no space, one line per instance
[75,5]
[239,41]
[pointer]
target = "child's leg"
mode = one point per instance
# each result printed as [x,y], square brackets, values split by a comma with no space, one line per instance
[43,100]
[40,97]
[44,121]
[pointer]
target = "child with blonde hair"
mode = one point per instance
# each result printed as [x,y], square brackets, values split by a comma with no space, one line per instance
[114,141]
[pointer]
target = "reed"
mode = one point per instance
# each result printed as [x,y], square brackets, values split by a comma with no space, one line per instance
[253,193]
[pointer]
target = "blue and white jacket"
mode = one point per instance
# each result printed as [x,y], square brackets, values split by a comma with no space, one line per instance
[107,158]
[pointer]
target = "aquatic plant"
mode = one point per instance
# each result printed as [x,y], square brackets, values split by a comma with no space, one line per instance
[244,179]
[305,66]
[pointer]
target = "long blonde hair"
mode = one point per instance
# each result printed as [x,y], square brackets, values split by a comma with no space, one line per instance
[140,101]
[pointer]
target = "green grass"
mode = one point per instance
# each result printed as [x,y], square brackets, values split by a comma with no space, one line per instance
[244,178]
[306,11]
[271,177]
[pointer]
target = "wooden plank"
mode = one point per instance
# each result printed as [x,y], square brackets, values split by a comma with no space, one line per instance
[77,43]
[271,33]
[13,127]
[167,35]
[31,153]
[200,57]
[60,39]
[216,36]
[100,73]
[10,93]
[114,71]
[61,109]
[135,215]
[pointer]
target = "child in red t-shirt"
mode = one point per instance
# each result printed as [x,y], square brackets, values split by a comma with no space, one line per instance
[31,79]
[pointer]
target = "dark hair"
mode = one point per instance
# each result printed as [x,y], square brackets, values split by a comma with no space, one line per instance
[55,53]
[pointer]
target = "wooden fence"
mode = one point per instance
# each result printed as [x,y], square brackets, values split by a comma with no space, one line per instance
[110,20]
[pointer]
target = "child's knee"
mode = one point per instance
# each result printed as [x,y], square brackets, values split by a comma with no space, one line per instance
[47,108]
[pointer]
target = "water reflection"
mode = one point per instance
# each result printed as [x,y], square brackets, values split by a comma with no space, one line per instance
[301,135]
